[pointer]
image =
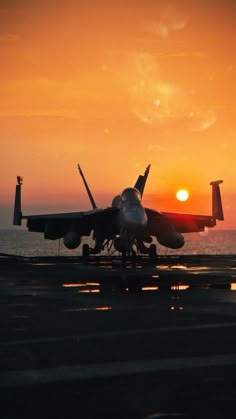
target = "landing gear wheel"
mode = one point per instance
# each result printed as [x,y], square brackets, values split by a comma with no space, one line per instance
[85,251]
[152,251]
[123,258]
[133,257]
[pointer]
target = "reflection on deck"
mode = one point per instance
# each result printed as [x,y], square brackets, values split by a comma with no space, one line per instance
[179,287]
[150,288]
[102,274]
[81,284]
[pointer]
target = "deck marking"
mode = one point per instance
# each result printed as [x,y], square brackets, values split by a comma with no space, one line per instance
[112,369]
[128,332]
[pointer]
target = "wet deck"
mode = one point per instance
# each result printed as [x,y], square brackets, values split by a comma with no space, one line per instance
[71,346]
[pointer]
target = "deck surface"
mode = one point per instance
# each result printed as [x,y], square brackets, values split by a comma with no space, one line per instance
[82,340]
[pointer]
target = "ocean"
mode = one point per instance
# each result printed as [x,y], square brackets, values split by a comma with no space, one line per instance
[24,243]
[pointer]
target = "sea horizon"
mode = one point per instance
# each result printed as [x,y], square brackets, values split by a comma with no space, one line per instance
[25,243]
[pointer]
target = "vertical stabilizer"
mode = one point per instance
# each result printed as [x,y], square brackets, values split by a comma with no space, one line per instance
[217,210]
[17,207]
[87,188]
[141,181]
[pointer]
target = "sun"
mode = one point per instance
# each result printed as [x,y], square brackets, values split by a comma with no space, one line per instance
[182,195]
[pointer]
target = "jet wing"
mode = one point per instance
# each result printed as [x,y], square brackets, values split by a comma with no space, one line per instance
[56,225]
[159,222]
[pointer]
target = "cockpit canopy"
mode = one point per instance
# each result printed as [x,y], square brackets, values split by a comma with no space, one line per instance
[130,194]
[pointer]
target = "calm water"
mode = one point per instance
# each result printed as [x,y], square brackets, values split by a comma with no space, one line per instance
[21,242]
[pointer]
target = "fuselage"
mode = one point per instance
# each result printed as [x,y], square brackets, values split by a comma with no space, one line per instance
[132,216]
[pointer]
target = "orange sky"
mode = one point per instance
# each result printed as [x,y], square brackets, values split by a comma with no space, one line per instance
[114,86]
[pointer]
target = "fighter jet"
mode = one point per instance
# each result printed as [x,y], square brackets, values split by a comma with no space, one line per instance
[126,226]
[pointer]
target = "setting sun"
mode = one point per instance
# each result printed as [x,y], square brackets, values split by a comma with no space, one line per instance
[182,195]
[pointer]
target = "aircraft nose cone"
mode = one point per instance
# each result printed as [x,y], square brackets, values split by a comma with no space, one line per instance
[135,219]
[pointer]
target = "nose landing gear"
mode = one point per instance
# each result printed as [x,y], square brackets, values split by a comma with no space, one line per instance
[152,250]
[85,251]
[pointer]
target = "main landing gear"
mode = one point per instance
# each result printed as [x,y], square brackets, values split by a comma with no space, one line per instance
[85,251]
[130,254]
[152,250]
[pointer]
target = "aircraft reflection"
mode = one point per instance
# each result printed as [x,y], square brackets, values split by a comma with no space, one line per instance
[150,285]
[105,308]
[44,263]
[176,308]
[179,287]
[81,284]
[86,287]
[183,268]
[73,285]
[95,291]
[98,308]
[164,415]
[176,299]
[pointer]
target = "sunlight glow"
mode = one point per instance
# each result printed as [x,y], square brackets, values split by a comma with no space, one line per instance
[150,86]
[182,195]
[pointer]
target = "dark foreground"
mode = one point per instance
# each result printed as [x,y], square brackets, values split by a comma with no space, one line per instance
[76,344]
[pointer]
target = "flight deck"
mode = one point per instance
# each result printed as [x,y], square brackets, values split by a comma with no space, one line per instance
[97,339]
[163,271]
